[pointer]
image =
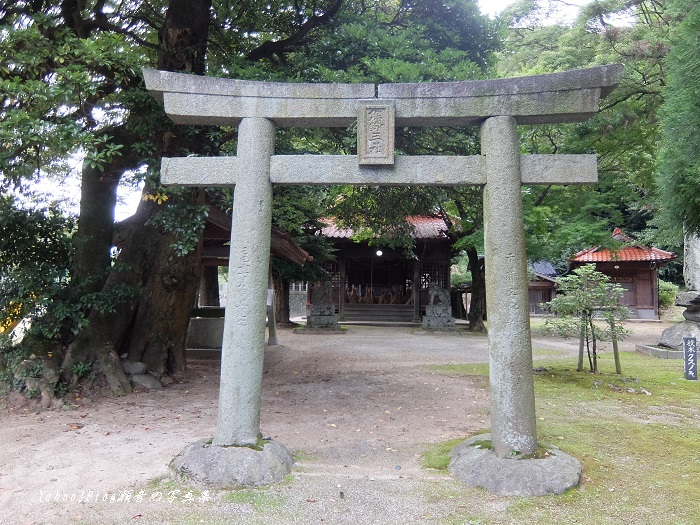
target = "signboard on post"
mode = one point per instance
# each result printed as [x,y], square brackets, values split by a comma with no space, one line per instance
[690,358]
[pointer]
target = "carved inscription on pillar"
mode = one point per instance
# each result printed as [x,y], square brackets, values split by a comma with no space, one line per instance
[375,133]
[242,287]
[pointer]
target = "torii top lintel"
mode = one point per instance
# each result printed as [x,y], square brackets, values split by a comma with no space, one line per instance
[570,96]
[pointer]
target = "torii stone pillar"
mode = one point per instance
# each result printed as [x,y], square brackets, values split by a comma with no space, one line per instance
[244,326]
[498,106]
[508,312]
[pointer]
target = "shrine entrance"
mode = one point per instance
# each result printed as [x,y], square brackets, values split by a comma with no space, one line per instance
[374,283]
[498,107]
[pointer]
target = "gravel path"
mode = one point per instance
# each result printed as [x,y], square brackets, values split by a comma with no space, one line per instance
[357,409]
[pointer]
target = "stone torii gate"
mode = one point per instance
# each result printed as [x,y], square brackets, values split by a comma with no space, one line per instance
[258,108]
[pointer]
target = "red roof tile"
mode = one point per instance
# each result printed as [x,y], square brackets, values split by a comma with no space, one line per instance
[423,228]
[626,253]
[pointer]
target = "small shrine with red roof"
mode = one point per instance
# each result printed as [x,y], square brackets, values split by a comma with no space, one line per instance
[634,266]
[375,283]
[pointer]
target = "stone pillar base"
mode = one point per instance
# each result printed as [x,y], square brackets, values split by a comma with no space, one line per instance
[438,317]
[221,467]
[478,466]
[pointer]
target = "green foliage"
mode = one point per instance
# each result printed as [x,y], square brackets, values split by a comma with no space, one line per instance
[35,253]
[82,369]
[182,217]
[679,170]
[563,220]
[667,294]
[35,256]
[459,273]
[59,88]
[299,211]
[581,296]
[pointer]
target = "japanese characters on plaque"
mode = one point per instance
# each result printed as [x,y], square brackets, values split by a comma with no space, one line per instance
[375,133]
[690,358]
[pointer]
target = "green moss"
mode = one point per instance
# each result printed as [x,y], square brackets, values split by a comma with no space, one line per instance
[259,499]
[639,452]
[438,455]
[259,445]
[467,369]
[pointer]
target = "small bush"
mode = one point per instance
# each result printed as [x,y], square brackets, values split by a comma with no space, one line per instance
[667,294]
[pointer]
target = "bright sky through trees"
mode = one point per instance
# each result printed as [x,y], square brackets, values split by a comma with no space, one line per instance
[496,7]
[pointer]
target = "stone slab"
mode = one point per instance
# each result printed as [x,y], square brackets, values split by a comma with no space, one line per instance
[221,467]
[205,332]
[541,108]
[438,310]
[438,317]
[657,351]
[569,96]
[194,99]
[134,367]
[220,110]
[425,170]
[322,321]
[158,82]
[480,467]
[604,78]
[689,298]
[559,169]
[322,310]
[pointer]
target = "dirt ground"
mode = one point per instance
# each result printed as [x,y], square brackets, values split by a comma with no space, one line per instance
[357,409]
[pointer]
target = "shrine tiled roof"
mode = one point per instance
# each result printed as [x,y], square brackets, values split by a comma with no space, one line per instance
[543,268]
[423,228]
[626,253]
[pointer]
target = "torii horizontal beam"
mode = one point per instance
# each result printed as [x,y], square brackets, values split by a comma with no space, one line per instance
[570,96]
[425,170]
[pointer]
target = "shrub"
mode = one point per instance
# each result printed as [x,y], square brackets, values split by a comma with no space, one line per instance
[667,294]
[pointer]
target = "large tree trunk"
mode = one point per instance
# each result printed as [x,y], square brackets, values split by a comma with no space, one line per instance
[183,37]
[282,301]
[93,240]
[160,319]
[477,307]
[152,326]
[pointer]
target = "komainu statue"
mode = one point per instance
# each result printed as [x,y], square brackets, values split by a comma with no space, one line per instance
[323,294]
[435,291]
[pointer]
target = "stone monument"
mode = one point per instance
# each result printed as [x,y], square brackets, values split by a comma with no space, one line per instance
[673,336]
[496,106]
[438,315]
[322,310]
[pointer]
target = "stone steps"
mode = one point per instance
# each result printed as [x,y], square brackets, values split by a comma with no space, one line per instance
[393,313]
